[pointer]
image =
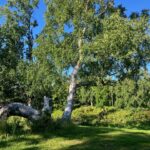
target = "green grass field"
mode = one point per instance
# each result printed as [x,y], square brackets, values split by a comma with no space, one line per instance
[79,138]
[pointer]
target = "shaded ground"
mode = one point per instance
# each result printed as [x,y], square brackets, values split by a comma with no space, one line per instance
[79,138]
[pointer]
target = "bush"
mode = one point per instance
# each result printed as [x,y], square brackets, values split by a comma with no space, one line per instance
[87,115]
[57,114]
[15,125]
[2,126]
[111,116]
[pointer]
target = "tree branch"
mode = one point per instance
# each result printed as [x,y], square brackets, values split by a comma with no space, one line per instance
[20,109]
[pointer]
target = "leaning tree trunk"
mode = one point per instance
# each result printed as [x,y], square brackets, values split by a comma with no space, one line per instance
[72,89]
[20,109]
[73,84]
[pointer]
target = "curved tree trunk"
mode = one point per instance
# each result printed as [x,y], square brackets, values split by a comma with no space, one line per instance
[20,109]
[72,89]
[73,84]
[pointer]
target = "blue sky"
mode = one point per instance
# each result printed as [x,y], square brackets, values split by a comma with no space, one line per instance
[134,5]
[131,5]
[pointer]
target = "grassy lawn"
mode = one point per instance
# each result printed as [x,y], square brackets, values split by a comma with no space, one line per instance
[79,138]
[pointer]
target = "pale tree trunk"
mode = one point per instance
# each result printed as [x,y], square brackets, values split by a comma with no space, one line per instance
[20,109]
[73,83]
[47,107]
[72,90]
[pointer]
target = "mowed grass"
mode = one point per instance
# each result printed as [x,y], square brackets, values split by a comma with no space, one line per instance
[79,138]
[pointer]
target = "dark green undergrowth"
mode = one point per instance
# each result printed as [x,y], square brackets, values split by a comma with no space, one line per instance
[86,115]
[109,116]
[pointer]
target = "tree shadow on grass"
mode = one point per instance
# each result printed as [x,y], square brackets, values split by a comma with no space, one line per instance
[32,148]
[92,138]
[6,143]
[110,139]
[101,138]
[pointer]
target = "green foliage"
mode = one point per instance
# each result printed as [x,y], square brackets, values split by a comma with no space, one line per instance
[96,95]
[111,44]
[129,118]
[15,125]
[16,38]
[131,93]
[86,115]
[125,93]
[111,116]
[57,114]
[42,78]
[11,88]
[2,127]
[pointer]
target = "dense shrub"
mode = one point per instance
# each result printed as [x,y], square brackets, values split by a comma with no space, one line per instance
[109,116]
[128,118]
[57,114]
[86,115]
[14,125]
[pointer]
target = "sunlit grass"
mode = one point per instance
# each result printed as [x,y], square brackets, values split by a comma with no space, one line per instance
[79,138]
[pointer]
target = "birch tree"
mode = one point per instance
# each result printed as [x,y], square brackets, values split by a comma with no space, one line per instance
[92,40]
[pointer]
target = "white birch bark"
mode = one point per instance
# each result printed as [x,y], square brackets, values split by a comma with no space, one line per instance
[73,84]
[72,90]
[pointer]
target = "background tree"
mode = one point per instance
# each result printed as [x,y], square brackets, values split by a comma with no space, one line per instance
[16,38]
